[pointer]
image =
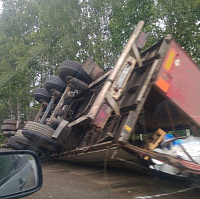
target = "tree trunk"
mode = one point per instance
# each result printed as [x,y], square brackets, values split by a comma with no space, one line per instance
[18,108]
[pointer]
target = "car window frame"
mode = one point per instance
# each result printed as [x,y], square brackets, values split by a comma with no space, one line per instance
[39,168]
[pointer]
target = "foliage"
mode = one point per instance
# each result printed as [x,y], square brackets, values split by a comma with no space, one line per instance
[179,18]
[36,36]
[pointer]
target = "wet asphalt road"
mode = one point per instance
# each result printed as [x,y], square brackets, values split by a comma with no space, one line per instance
[63,181]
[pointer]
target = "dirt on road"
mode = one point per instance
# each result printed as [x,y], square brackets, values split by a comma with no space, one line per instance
[65,181]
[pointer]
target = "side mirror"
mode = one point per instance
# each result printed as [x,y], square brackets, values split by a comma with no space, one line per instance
[20,174]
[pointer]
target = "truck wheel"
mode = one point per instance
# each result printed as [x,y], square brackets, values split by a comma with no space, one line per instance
[73,69]
[9,133]
[9,127]
[12,144]
[25,143]
[42,134]
[4,147]
[53,82]
[43,141]
[10,121]
[41,95]
[40,128]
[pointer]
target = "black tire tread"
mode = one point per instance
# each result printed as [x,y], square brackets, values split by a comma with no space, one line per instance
[45,141]
[40,128]
[12,144]
[9,133]
[9,127]
[26,144]
[41,94]
[10,121]
[74,69]
[54,82]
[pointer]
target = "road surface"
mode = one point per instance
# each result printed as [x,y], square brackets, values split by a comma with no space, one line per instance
[63,181]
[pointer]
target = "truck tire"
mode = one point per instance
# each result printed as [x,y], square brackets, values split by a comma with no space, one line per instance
[9,127]
[12,144]
[41,95]
[42,140]
[10,121]
[40,128]
[41,134]
[4,147]
[73,69]
[9,133]
[53,82]
[25,143]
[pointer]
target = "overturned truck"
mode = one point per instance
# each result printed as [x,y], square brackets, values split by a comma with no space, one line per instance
[142,111]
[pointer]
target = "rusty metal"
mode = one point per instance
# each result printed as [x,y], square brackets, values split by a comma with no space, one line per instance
[56,121]
[60,128]
[94,133]
[147,81]
[79,120]
[89,103]
[39,114]
[65,110]
[60,104]
[42,108]
[47,110]
[71,94]
[123,76]
[113,104]
[180,91]
[92,69]
[134,114]
[101,97]
[137,54]
[94,147]
[100,79]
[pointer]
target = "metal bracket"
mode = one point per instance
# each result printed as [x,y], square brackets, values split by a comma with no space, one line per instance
[137,54]
[102,94]
[62,125]
[147,81]
[113,104]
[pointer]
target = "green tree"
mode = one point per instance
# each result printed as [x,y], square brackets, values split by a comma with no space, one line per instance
[179,18]
[36,36]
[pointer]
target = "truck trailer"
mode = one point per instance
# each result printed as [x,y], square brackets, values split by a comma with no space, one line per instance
[145,111]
